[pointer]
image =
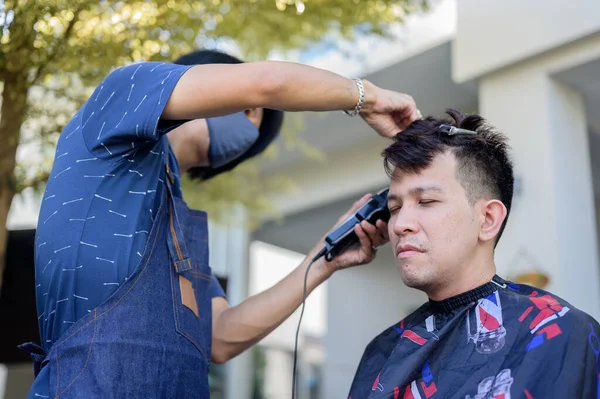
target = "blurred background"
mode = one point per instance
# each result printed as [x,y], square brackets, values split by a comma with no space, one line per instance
[531,67]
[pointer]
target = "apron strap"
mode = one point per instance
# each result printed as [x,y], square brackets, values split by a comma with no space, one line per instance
[38,355]
[175,239]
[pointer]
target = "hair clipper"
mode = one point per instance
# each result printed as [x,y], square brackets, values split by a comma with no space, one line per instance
[344,237]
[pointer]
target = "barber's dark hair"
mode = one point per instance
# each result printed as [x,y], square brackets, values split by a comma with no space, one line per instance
[484,168]
[269,129]
[200,57]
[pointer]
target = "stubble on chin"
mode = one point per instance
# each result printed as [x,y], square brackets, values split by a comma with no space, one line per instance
[418,278]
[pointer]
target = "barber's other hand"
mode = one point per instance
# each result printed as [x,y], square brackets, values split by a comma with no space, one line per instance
[370,238]
[386,111]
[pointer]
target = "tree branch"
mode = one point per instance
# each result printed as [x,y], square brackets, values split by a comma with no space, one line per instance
[57,50]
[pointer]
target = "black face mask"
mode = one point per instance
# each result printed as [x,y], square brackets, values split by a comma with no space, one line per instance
[230,137]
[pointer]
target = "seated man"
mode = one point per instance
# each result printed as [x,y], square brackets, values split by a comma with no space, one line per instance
[479,336]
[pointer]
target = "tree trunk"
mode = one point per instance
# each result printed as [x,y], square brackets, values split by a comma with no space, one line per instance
[12,115]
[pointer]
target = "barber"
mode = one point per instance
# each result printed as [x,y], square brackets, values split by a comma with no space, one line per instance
[127,303]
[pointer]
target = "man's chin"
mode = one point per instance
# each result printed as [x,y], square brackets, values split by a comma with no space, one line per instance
[412,278]
[416,284]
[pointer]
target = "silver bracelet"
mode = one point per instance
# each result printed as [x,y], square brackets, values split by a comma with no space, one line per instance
[361,98]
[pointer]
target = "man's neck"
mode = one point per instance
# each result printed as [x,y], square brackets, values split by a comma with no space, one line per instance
[470,278]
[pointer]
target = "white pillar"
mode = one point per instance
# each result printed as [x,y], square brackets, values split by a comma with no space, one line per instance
[238,370]
[278,374]
[554,217]
[218,248]
[3,374]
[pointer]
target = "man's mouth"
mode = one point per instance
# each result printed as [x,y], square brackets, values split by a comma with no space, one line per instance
[404,251]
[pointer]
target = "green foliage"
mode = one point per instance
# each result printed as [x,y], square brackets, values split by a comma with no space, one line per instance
[63,48]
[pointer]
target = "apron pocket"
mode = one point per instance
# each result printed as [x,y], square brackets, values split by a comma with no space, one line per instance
[191,306]
[191,276]
[188,297]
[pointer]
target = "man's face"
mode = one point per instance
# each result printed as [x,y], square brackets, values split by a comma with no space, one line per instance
[433,229]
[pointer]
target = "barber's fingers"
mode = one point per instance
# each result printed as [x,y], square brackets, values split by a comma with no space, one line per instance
[377,233]
[366,245]
[356,206]
[382,227]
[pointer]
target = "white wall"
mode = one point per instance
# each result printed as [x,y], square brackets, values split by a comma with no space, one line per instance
[3,374]
[348,173]
[15,380]
[492,34]
[269,265]
[24,210]
[598,222]
[278,374]
[361,303]
[554,218]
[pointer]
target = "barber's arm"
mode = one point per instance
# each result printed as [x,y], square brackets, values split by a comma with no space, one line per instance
[237,328]
[219,89]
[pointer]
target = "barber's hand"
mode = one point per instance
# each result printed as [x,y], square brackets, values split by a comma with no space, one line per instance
[370,238]
[388,112]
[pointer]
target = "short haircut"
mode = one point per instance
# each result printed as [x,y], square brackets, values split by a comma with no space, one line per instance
[483,165]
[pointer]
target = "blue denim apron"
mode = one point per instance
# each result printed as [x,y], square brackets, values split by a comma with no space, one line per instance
[152,338]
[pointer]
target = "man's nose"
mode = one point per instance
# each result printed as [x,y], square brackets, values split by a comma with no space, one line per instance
[405,222]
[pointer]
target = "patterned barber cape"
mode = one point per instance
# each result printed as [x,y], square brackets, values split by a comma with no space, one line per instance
[498,341]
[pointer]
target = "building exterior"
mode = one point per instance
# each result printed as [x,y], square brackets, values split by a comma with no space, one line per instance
[533,69]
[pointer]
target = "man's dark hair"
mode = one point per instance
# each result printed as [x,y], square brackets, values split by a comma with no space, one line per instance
[483,166]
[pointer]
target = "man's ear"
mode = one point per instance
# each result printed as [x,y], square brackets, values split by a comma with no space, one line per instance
[493,213]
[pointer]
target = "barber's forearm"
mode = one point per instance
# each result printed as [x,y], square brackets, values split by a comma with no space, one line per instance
[239,327]
[297,87]
[215,90]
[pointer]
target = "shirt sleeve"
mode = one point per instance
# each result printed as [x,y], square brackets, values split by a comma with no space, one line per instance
[215,289]
[124,111]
